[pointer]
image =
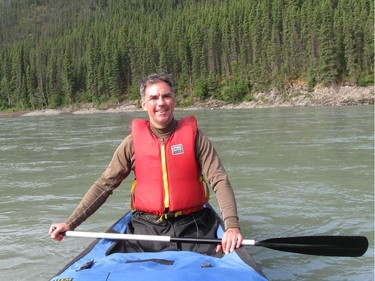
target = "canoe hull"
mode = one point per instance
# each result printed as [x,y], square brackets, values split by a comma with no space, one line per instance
[93,264]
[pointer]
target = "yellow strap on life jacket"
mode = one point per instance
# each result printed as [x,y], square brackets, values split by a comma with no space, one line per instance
[165,175]
[132,194]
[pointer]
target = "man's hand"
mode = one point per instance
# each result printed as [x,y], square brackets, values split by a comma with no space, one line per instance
[232,239]
[57,229]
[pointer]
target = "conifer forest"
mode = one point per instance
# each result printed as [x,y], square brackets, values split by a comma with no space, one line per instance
[58,53]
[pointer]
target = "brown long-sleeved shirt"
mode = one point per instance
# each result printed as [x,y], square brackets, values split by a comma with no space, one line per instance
[122,164]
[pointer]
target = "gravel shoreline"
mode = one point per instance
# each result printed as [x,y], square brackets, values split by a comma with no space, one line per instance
[332,96]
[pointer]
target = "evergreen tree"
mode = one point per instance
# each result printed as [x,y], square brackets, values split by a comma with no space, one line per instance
[93,59]
[327,58]
[67,78]
[17,87]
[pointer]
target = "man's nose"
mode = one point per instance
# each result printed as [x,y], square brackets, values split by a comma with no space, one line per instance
[161,100]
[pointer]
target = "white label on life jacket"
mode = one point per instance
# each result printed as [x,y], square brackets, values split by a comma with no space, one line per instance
[177,149]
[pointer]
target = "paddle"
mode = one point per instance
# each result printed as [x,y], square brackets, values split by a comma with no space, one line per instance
[340,246]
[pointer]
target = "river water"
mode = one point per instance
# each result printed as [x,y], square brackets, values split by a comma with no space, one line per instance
[295,171]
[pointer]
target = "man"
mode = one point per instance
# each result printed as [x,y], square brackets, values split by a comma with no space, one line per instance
[168,158]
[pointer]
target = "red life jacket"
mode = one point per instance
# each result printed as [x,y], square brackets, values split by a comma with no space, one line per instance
[168,178]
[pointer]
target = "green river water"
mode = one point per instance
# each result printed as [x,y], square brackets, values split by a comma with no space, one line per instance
[295,171]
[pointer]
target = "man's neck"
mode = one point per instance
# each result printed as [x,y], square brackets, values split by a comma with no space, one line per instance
[165,132]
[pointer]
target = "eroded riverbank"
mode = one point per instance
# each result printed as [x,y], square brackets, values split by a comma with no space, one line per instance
[332,96]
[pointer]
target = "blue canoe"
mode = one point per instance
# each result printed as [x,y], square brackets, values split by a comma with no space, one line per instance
[93,264]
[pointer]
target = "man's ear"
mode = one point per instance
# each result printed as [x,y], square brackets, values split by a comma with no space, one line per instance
[143,104]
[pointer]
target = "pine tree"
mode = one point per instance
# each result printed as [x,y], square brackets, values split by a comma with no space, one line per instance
[17,85]
[327,50]
[93,59]
[67,78]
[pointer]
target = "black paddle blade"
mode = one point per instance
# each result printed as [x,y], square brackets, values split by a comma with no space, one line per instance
[339,246]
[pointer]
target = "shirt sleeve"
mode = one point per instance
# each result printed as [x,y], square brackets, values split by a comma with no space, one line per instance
[215,173]
[117,170]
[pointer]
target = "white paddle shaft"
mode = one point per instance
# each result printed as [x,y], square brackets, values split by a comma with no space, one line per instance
[139,237]
[118,236]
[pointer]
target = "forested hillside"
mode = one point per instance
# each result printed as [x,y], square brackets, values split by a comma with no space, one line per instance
[58,53]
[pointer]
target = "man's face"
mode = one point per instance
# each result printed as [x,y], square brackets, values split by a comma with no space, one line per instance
[159,102]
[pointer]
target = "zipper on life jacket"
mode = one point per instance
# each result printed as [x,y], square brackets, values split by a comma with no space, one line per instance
[165,174]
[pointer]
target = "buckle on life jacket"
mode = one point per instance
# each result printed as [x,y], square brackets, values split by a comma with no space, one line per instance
[167,216]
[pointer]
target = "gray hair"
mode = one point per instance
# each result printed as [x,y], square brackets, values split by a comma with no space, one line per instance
[153,79]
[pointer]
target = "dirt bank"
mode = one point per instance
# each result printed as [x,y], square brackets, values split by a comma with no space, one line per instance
[333,96]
